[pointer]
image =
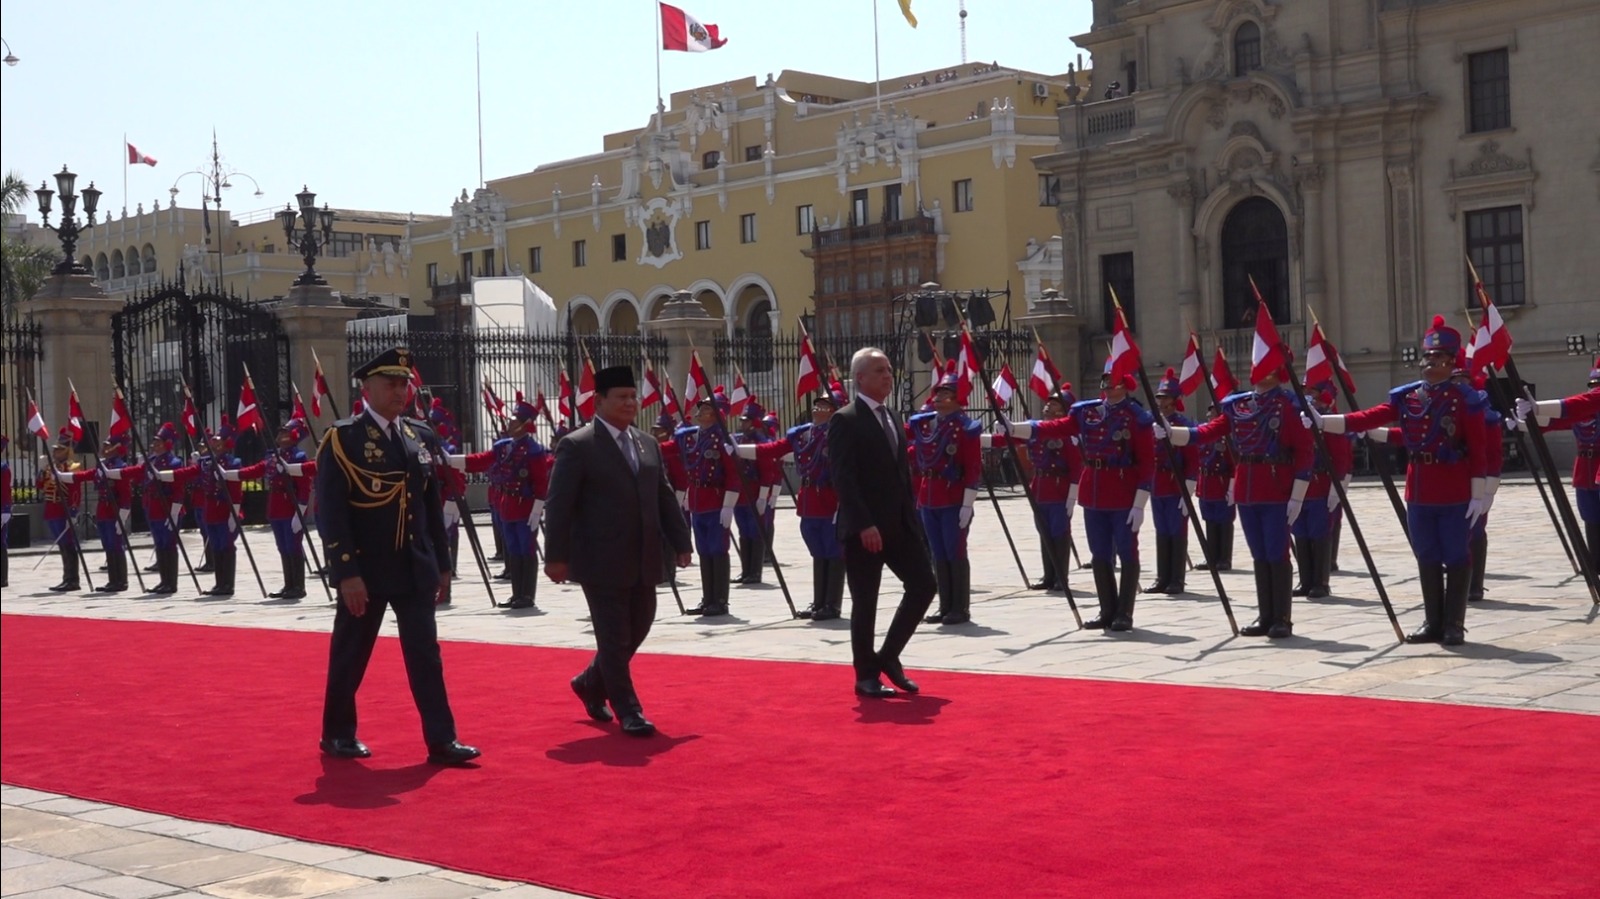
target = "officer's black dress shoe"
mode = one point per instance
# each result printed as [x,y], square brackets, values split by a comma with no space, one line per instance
[593,704]
[452,753]
[827,614]
[955,618]
[345,748]
[520,602]
[873,689]
[696,610]
[896,673]
[712,611]
[637,725]
[805,613]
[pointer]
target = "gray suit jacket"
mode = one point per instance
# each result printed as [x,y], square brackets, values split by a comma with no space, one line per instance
[607,523]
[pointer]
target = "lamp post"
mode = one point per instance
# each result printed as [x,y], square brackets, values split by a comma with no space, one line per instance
[11,58]
[313,236]
[68,230]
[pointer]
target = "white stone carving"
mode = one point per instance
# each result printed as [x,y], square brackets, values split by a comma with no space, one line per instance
[658,230]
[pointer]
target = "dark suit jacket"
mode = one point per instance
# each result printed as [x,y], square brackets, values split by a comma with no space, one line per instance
[603,520]
[379,514]
[873,479]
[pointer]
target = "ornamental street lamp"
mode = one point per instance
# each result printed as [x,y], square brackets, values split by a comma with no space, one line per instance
[68,230]
[313,236]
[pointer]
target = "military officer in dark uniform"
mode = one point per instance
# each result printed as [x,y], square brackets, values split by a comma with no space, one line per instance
[382,524]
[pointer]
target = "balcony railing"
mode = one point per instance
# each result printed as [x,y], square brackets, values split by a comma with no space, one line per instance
[915,226]
[1099,122]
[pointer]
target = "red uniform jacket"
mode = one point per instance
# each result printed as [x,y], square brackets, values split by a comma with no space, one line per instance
[158,497]
[1175,463]
[755,476]
[1583,405]
[1587,432]
[1118,449]
[215,497]
[809,444]
[1216,470]
[58,499]
[1339,461]
[111,496]
[1056,462]
[1271,448]
[672,460]
[1441,427]
[946,458]
[282,486]
[520,472]
[712,470]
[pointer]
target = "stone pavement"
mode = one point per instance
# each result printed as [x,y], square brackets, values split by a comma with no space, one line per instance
[1534,643]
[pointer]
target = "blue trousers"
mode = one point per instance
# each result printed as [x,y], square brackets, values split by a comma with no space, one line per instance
[219,537]
[710,540]
[284,535]
[161,532]
[1439,533]
[1109,536]
[1216,510]
[821,537]
[517,536]
[62,528]
[110,537]
[1266,530]
[749,524]
[946,540]
[1053,519]
[1313,521]
[1589,504]
[1166,513]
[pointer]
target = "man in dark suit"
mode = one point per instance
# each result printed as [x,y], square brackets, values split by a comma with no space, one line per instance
[609,512]
[878,523]
[382,527]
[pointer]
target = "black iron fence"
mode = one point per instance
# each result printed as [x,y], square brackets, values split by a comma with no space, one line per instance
[21,363]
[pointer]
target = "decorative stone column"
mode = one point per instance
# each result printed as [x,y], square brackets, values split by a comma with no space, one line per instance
[74,315]
[1309,179]
[1183,193]
[686,326]
[314,321]
[1056,321]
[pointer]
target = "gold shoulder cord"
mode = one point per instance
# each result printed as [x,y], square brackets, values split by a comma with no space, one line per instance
[376,489]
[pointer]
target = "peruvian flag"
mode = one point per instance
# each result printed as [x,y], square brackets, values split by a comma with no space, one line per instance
[739,397]
[319,389]
[121,422]
[1491,343]
[137,158]
[299,410]
[1192,371]
[248,416]
[36,423]
[966,367]
[1045,376]
[697,380]
[415,389]
[669,403]
[681,31]
[1221,375]
[74,415]
[1266,350]
[586,389]
[191,417]
[651,393]
[1124,352]
[810,377]
[494,404]
[1323,360]
[564,395]
[1005,385]
[541,407]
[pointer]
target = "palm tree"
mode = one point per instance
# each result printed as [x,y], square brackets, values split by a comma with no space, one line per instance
[23,266]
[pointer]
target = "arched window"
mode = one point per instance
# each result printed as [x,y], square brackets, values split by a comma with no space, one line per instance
[584,320]
[149,259]
[758,329]
[1246,49]
[118,270]
[1255,245]
[102,268]
[133,261]
[88,263]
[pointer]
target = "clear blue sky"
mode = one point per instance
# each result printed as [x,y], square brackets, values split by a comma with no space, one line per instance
[372,103]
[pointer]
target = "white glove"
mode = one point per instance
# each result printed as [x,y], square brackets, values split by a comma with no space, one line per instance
[1136,514]
[1479,503]
[964,517]
[1330,424]
[986,441]
[230,474]
[279,464]
[536,514]
[1072,499]
[456,461]
[1183,507]
[294,524]
[1379,436]
[165,474]
[1022,429]
[683,500]
[294,469]
[5,519]
[114,474]
[1525,408]
[1159,429]
[1229,494]
[999,426]
[761,503]
[1333,495]
[1513,425]
[452,515]
[175,512]
[1297,500]
[127,520]
[1491,488]
[1305,420]
[745,451]
[729,500]
[1179,436]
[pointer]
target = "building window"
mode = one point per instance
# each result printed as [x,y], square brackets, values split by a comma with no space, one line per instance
[1131,73]
[433,274]
[488,269]
[710,159]
[619,248]
[343,243]
[752,153]
[702,235]
[747,228]
[535,260]
[1489,90]
[963,195]
[1116,271]
[1049,190]
[466,266]
[1494,243]
[1255,247]
[805,219]
[1246,49]
[580,253]
[859,210]
[891,202]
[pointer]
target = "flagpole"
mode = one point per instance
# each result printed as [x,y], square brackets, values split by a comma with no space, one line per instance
[477,54]
[124,174]
[660,106]
[877,64]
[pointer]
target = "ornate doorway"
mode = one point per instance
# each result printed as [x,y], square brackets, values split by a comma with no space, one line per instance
[1255,244]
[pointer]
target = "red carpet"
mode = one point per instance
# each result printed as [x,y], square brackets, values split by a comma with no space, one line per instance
[771,780]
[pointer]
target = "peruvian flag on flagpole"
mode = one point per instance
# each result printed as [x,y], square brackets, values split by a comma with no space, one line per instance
[1192,371]
[966,366]
[492,402]
[299,410]
[191,416]
[1222,380]
[1319,367]
[1005,385]
[36,425]
[1124,352]
[1491,342]
[415,388]
[681,31]
[651,393]
[249,414]
[1045,376]
[121,422]
[564,395]
[540,407]
[1266,350]
[137,158]
[810,377]
[739,396]
[74,414]
[696,381]
[669,401]
[586,388]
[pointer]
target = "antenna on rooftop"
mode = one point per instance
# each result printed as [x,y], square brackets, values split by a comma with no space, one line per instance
[963,32]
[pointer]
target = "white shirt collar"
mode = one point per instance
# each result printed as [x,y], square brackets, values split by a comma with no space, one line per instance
[383,423]
[872,404]
[616,432]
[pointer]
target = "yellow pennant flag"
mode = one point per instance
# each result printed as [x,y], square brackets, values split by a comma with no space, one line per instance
[905,9]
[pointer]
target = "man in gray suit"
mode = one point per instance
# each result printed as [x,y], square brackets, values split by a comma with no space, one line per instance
[607,517]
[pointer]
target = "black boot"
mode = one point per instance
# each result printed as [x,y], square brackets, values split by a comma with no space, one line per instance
[1282,601]
[1264,604]
[1324,561]
[1479,547]
[960,592]
[1163,565]
[1591,536]
[69,569]
[941,575]
[294,576]
[455,548]
[208,563]
[707,586]
[722,568]
[1178,575]
[1430,580]
[1225,542]
[819,585]
[1457,580]
[1063,556]
[530,581]
[1105,589]
[283,561]
[226,564]
[834,597]
[1048,555]
[166,572]
[5,561]
[515,566]
[116,573]
[1125,597]
[750,555]
[1213,544]
[1303,564]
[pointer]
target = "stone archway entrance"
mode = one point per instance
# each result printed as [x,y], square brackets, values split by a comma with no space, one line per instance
[1255,245]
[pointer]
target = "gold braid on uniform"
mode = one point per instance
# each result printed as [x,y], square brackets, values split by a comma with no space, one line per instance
[372,489]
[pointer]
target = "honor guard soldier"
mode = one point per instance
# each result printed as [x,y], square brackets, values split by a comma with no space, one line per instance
[216,475]
[1214,492]
[677,475]
[62,497]
[382,528]
[1579,414]
[1313,530]
[946,465]
[5,513]
[1495,456]
[1175,467]
[113,502]
[1055,466]
[1441,425]
[817,503]
[714,483]
[452,484]
[1273,454]
[519,472]
[757,479]
[287,473]
[163,503]
[1118,446]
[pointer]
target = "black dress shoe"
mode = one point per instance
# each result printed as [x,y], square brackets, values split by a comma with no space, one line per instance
[452,753]
[1097,623]
[520,602]
[713,611]
[935,618]
[345,748]
[697,610]
[955,618]
[637,725]
[805,613]
[827,614]
[897,675]
[873,689]
[1121,623]
[593,704]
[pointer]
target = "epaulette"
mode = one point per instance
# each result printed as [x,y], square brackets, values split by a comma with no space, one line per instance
[798,429]
[1084,404]
[343,423]
[1142,415]
[921,417]
[1398,393]
[970,425]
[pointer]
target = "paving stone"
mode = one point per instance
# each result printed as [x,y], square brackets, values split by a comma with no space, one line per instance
[49,873]
[421,886]
[305,853]
[235,838]
[474,880]
[125,887]
[66,805]
[195,873]
[150,853]
[526,891]
[54,893]
[14,857]
[78,838]
[10,795]
[120,817]
[298,882]
[376,866]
